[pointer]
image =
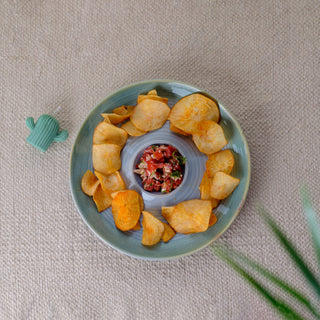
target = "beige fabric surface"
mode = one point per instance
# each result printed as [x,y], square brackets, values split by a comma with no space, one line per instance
[259,58]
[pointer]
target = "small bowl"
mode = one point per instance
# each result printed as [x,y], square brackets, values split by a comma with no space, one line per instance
[129,243]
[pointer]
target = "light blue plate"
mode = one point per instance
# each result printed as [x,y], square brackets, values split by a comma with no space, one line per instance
[130,242]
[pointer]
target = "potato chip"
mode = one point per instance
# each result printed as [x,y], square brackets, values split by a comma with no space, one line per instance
[221,161]
[213,219]
[177,130]
[102,200]
[89,183]
[209,137]
[136,227]
[153,229]
[123,110]
[222,185]
[116,118]
[110,183]
[108,133]
[142,97]
[126,209]
[189,216]
[106,158]
[132,130]
[106,119]
[153,92]
[150,115]
[166,211]
[205,190]
[191,110]
[168,234]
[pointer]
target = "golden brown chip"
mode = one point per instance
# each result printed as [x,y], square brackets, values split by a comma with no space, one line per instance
[177,130]
[106,119]
[132,130]
[205,190]
[116,118]
[213,219]
[150,115]
[136,227]
[209,137]
[102,200]
[153,229]
[110,183]
[191,110]
[222,185]
[123,110]
[126,209]
[153,92]
[214,202]
[168,234]
[108,133]
[106,158]
[151,97]
[89,183]
[166,211]
[189,216]
[221,161]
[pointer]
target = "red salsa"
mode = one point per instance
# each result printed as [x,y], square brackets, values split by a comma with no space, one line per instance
[161,168]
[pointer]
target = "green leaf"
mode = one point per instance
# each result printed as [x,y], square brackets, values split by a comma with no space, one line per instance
[281,307]
[299,296]
[292,251]
[313,222]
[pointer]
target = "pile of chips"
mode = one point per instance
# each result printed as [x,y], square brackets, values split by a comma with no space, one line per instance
[194,115]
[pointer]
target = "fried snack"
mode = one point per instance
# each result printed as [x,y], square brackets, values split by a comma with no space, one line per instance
[153,229]
[177,130]
[205,190]
[116,118]
[149,115]
[102,200]
[132,130]
[108,133]
[89,183]
[168,233]
[213,219]
[222,185]
[126,209]
[189,216]
[123,110]
[221,161]
[209,137]
[191,110]
[106,158]
[136,227]
[110,183]
[153,95]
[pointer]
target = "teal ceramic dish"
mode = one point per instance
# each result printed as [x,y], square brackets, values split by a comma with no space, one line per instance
[130,242]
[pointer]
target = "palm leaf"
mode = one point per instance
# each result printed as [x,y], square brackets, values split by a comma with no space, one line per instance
[283,309]
[312,221]
[295,293]
[292,251]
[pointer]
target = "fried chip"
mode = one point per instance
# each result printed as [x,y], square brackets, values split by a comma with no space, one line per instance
[189,216]
[166,211]
[106,158]
[132,130]
[102,200]
[150,115]
[110,183]
[191,110]
[168,234]
[142,97]
[126,209]
[108,133]
[177,130]
[209,137]
[89,183]
[116,118]
[123,110]
[213,219]
[136,227]
[153,229]
[222,185]
[205,188]
[153,92]
[221,161]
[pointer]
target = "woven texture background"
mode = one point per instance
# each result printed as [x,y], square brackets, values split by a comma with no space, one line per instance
[259,58]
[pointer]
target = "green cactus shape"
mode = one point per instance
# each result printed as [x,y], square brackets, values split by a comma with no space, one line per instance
[44,132]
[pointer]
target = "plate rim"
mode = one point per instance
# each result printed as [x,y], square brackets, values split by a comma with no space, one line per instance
[176,256]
